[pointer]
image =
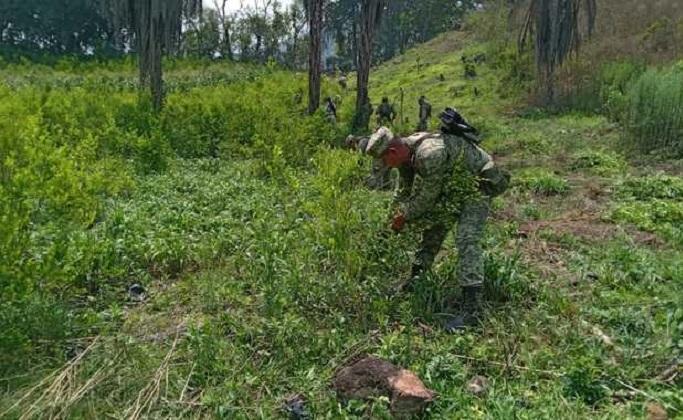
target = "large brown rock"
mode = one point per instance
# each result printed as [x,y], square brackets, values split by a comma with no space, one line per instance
[374,377]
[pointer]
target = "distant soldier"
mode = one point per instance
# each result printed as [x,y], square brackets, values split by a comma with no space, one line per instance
[298,97]
[445,178]
[470,68]
[342,81]
[425,113]
[331,110]
[385,113]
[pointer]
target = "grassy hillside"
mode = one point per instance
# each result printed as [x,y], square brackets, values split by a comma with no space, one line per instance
[267,264]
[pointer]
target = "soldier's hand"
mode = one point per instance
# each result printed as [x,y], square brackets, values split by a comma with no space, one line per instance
[398,223]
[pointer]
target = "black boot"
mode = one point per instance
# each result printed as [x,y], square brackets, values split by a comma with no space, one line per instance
[409,284]
[471,308]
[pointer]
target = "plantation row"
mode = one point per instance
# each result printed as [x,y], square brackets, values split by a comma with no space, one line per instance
[67,152]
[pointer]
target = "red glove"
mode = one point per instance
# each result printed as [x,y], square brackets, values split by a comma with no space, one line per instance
[398,223]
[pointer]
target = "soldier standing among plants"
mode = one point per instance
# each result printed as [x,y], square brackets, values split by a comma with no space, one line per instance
[342,82]
[331,111]
[425,113]
[457,181]
[385,113]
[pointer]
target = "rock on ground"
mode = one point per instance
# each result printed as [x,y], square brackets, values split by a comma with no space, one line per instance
[374,377]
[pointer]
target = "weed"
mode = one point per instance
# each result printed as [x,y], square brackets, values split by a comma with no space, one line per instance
[659,186]
[655,111]
[599,162]
[541,181]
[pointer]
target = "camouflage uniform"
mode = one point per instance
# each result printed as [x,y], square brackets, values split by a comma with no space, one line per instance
[434,156]
[385,113]
[342,82]
[425,114]
[331,112]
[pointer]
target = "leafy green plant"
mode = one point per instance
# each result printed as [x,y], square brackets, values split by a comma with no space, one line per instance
[600,162]
[660,216]
[506,279]
[659,186]
[583,381]
[541,181]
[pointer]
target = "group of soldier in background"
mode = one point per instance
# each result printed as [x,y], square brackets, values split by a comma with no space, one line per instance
[445,179]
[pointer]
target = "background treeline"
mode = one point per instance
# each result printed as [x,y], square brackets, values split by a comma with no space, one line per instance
[628,66]
[261,31]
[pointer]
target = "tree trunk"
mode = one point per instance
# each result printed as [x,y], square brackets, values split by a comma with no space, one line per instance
[371,15]
[315,23]
[227,41]
[149,37]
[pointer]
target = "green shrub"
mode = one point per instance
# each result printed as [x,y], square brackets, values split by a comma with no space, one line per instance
[659,216]
[615,82]
[660,186]
[654,114]
[505,278]
[541,181]
[600,162]
[583,381]
[71,143]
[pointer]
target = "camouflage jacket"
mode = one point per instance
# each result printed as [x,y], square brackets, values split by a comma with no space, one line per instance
[386,110]
[425,110]
[424,182]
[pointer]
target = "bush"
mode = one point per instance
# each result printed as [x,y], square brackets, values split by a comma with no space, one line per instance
[615,81]
[72,144]
[654,111]
[599,162]
[542,181]
[659,216]
[660,186]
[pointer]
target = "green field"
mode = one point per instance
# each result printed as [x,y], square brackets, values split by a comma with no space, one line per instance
[268,266]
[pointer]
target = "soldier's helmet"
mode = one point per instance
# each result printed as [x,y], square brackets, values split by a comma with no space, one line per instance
[385,99]
[452,120]
[379,142]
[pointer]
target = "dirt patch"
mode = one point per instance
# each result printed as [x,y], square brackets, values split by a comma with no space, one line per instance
[587,229]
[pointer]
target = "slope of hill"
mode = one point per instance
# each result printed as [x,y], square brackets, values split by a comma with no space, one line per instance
[269,268]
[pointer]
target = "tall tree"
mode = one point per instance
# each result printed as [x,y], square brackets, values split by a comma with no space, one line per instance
[157,25]
[36,27]
[556,27]
[297,21]
[315,25]
[371,17]
[226,25]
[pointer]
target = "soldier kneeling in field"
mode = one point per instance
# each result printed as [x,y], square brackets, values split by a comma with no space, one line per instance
[457,180]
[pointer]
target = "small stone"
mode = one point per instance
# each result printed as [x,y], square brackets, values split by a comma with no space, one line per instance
[137,293]
[478,385]
[295,406]
[655,411]
[409,395]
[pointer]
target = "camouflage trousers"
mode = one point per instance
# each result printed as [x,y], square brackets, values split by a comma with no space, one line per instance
[380,176]
[422,126]
[470,229]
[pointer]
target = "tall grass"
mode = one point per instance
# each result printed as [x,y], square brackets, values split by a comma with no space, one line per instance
[654,114]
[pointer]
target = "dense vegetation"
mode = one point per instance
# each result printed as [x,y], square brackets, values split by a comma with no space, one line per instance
[267,264]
